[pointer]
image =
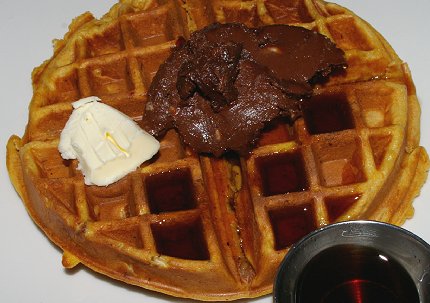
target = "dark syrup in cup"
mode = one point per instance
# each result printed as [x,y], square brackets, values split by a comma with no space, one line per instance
[355,262]
[355,274]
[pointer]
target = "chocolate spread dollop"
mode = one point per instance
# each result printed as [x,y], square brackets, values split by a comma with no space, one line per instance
[221,87]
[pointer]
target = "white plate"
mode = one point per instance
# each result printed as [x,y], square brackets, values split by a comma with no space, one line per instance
[31,266]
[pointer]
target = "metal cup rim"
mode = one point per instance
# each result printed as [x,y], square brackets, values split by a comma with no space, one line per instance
[296,248]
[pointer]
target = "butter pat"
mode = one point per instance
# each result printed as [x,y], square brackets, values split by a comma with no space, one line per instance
[106,142]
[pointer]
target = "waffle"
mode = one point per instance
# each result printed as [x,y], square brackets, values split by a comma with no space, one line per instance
[211,228]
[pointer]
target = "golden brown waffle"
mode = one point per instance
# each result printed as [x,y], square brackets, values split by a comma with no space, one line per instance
[207,228]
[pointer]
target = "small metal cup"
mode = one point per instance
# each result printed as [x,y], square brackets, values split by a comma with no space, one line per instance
[410,251]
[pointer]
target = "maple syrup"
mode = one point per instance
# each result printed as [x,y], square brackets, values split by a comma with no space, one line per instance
[170,191]
[337,206]
[282,173]
[292,223]
[355,274]
[276,131]
[184,240]
[327,113]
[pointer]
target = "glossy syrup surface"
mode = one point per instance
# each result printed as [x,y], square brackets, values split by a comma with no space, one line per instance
[337,206]
[290,224]
[355,274]
[170,191]
[184,240]
[282,173]
[327,113]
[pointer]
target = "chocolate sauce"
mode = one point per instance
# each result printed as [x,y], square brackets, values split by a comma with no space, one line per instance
[211,76]
[221,87]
